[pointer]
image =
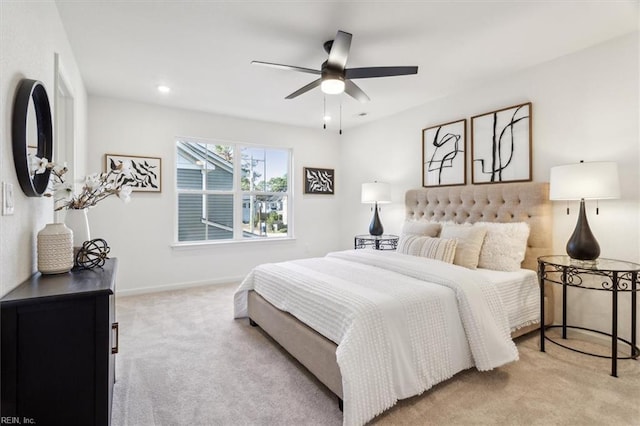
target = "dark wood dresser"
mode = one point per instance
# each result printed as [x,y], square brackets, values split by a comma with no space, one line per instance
[58,344]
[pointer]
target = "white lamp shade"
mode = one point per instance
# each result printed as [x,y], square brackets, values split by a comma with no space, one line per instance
[590,181]
[376,192]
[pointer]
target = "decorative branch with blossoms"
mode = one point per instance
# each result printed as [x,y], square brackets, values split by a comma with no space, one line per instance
[96,187]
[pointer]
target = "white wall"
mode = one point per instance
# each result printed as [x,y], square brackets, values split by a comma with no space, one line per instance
[585,107]
[140,233]
[30,34]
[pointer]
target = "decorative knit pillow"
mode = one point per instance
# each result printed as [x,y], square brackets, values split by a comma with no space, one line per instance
[469,239]
[409,244]
[421,227]
[432,248]
[504,245]
[439,248]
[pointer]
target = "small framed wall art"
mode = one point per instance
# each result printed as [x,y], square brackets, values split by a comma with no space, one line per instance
[319,181]
[444,159]
[501,145]
[146,172]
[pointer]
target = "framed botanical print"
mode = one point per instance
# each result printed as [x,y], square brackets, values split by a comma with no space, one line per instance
[444,160]
[145,171]
[501,145]
[318,181]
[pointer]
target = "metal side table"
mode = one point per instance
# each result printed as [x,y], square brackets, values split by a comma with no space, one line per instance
[616,277]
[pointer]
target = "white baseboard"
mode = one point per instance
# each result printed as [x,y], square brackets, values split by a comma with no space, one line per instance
[178,286]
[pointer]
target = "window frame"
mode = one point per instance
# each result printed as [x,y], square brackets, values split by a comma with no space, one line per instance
[237,193]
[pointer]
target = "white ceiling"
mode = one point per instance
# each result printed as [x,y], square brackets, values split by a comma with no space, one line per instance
[203,49]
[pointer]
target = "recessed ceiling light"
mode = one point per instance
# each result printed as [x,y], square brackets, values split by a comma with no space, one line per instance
[164,89]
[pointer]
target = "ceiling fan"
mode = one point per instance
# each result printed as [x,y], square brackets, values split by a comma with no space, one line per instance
[334,77]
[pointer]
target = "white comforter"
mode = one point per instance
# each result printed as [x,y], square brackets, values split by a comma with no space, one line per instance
[402,323]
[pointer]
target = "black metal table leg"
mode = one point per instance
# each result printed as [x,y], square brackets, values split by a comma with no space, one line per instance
[541,278]
[614,326]
[634,288]
[564,303]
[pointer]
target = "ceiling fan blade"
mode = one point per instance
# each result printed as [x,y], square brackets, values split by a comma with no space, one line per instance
[286,67]
[339,51]
[370,72]
[355,92]
[305,89]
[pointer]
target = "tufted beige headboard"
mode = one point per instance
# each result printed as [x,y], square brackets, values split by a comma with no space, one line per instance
[506,202]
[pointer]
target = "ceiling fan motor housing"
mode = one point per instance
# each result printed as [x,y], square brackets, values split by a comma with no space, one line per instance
[331,73]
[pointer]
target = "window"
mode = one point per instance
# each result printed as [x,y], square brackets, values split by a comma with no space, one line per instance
[226,196]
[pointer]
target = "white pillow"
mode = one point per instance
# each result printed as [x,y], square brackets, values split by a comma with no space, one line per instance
[504,245]
[421,227]
[432,248]
[469,243]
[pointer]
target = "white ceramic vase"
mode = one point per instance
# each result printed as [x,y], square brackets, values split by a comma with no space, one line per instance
[55,249]
[78,222]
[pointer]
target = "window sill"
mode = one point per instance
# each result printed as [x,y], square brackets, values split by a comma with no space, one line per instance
[191,245]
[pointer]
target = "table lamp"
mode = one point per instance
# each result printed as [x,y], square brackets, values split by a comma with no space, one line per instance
[376,193]
[584,181]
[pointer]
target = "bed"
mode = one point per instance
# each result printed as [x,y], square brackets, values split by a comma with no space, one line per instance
[498,203]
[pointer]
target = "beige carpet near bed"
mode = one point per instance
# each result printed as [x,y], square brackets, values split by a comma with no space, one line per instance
[184,361]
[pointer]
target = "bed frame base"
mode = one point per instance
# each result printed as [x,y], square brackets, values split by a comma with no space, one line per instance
[310,348]
[316,352]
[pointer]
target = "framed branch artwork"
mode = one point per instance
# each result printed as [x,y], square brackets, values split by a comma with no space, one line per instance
[444,160]
[501,145]
[318,181]
[146,172]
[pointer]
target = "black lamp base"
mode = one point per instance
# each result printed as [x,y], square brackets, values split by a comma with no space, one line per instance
[582,245]
[376,228]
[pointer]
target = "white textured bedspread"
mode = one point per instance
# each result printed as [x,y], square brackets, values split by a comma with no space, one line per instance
[520,295]
[402,323]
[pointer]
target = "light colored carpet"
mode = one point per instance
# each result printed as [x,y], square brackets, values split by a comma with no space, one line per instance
[184,360]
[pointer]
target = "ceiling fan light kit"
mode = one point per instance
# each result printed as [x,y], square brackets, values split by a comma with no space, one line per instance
[335,78]
[332,86]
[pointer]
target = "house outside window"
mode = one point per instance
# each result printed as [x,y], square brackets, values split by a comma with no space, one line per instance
[232,192]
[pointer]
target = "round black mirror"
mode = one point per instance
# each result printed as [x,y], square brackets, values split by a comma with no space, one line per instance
[32,134]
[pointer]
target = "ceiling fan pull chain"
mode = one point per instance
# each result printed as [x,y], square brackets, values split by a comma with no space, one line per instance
[341,115]
[324,113]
